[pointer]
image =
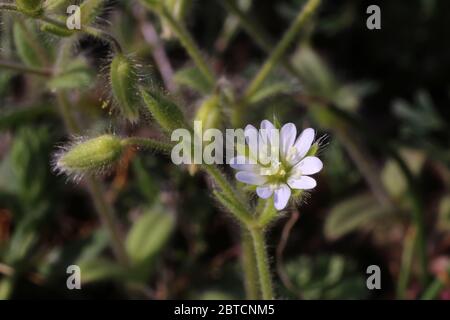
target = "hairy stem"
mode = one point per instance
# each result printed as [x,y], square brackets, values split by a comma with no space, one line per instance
[262,263]
[248,258]
[148,143]
[227,188]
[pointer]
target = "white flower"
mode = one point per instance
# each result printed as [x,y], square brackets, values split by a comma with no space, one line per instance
[286,167]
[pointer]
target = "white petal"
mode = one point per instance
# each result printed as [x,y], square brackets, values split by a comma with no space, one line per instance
[281,197]
[266,131]
[250,178]
[242,163]
[304,183]
[303,143]
[308,165]
[264,191]
[251,137]
[266,124]
[287,138]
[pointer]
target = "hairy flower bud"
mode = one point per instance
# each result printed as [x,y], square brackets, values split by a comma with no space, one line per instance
[30,7]
[209,112]
[164,111]
[90,9]
[124,82]
[89,156]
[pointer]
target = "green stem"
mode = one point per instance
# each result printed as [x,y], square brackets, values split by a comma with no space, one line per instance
[281,47]
[262,263]
[256,32]
[23,68]
[247,23]
[64,109]
[98,33]
[365,164]
[188,43]
[148,143]
[249,266]
[268,214]
[235,209]
[433,290]
[226,188]
[407,259]
[108,220]
[418,216]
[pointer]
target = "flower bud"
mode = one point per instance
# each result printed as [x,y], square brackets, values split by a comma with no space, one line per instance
[90,9]
[164,111]
[30,7]
[90,156]
[124,82]
[209,112]
[313,150]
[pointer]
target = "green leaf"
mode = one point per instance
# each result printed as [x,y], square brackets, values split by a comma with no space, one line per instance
[76,75]
[270,90]
[326,277]
[93,270]
[149,234]
[393,177]
[27,44]
[316,77]
[352,214]
[192,78]
[14,117]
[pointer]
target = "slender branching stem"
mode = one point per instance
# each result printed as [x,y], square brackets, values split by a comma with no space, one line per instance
[27,69]
[256,32]
[108,219]
[409,245]
[281,48]
[188,43]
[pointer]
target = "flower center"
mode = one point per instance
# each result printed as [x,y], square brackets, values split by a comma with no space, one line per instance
[279,175]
